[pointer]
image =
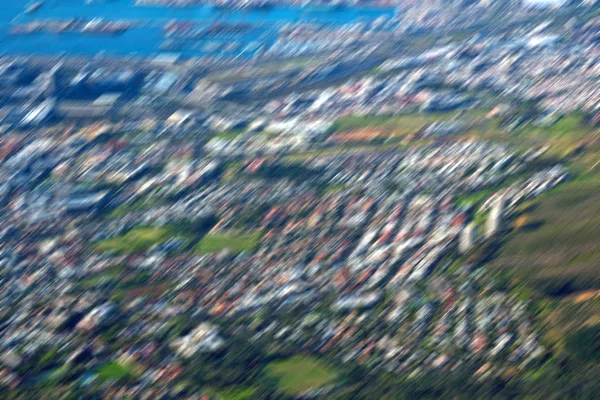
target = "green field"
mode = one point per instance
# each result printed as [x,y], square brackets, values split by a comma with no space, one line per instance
[300,374]
[236,393]
[397,127]
[563,135]
[232,241]
[398,124]
[229,135]
[116,370]
[136,240]
[471,199]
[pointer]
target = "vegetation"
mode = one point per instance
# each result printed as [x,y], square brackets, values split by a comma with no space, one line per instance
[236,393]
[585,343]
[136,240]
[116,370]
[399,124]
[299,374]
[229,135]
[143,238]
[232,241]
[553,258]
[560,254]
[563,136]
[556,253]
[471,199]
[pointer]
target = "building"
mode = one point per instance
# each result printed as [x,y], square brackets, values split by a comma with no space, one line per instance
[204,338]
[467,238]
[86,202]
[40,113]
[495,219]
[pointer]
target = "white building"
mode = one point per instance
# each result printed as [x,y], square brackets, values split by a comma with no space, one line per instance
[467,238]
[205,337]
[495,219]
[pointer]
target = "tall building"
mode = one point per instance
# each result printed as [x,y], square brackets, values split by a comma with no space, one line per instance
[467,238]
[495,219]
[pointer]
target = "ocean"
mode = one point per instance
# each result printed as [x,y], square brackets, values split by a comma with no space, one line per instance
[147,40]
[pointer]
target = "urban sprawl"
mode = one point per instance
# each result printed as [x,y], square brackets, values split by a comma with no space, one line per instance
[183,227]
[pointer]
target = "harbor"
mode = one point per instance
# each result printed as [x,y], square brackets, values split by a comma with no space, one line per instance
[124,28]
[94,26]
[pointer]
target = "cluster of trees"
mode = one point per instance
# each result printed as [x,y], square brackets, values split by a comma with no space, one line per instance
[584,344]
[560,380]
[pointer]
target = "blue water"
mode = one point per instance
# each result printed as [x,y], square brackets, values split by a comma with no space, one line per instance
[147,40]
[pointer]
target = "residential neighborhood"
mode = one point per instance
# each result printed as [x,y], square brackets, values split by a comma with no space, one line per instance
[327,218]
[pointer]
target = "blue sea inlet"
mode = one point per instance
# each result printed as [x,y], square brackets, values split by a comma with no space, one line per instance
[148,38]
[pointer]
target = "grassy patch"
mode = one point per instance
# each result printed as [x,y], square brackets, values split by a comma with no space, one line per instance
[563,136]
[300,374]
[471,199]
[398,124]
[229,135]
[136,240]
[116,370]
[236,393]
[232,241]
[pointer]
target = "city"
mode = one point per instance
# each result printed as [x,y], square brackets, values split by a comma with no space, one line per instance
[300,199]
